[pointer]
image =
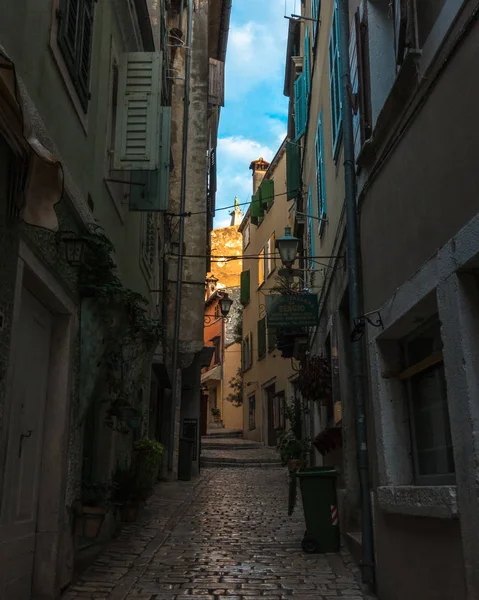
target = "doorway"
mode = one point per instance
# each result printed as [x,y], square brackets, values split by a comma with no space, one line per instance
[33,449]
[18,515]
[270,401]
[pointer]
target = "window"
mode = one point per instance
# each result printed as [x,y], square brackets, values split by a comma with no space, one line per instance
[279,417]
[247,353]
[335,82]
[320,172]
[360,84]
[217,310]
[271,338]
[245,283]
[75,35]
[406,31]
[252,412]
[426,386]
[270,259]
[262,337]
[310,244]
[261,266]
[148,243]
[217,355]
[246,235]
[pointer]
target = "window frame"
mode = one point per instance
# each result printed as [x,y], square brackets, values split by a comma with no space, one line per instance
[432,361]
[73,56]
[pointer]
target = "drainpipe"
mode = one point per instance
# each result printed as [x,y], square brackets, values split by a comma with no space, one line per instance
[179,270]
[355,299]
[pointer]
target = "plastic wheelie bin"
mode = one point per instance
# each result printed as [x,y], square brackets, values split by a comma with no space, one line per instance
[185,459]
[318,491]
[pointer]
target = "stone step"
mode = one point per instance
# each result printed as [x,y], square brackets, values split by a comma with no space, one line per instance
[354,542]
[224,434]
[212,445]
[228,464]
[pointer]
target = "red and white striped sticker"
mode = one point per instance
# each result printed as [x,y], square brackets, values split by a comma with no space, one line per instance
[334,514]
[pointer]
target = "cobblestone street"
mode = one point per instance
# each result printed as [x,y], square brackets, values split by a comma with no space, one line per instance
[225,535]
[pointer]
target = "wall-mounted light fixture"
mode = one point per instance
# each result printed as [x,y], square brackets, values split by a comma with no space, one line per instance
[225,303]
[75,248]
[360,324]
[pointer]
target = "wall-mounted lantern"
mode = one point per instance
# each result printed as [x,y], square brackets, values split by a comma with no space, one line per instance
[288,248]
[75,247]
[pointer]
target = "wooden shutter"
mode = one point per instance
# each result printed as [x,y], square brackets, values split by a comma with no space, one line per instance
[138,119]
[266,192]
[293,176]
[315,15]
[256,208]
[400,28]
[320,168]
[84,52]
[245,281]
[69,31]
[262,337]
[300,103]
[216,93]
[149,190]
[335,80]
[307,63]
[360,86]
[310,244]
[271,338]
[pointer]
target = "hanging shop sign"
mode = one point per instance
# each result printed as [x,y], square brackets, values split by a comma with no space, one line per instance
[295,310]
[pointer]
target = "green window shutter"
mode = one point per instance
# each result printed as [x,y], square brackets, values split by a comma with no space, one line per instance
[245,282]
[69,32]
[307,62]
[300,101]
[256,208]
[266,192]
[138,118]
[293,182]
[149,191]
[271,338]
[261,337]
[84,53]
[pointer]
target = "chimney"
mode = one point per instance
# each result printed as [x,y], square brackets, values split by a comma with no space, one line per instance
[236,215]
[259,168]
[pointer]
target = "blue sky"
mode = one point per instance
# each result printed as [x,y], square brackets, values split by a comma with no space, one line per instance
[253,121]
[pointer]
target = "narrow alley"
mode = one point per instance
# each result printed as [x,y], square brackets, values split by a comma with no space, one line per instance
[225,535]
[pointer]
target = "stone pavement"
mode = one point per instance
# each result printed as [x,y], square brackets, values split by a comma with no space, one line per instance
[224,536]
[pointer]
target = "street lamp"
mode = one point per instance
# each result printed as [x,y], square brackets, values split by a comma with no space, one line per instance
[288,248]
[225,305]
[75,248]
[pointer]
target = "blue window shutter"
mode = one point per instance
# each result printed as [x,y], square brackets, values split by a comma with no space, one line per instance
[307,62]
[315,15]
[310,227]
[320,171]
[335,81]
[300,105]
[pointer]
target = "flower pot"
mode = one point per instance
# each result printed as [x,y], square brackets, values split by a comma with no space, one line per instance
[89,523]
[217,418]
[129,513]
[296,463]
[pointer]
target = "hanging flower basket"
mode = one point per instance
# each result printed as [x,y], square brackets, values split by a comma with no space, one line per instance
[315,379]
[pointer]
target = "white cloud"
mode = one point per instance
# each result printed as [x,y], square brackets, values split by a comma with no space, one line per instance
[240,148]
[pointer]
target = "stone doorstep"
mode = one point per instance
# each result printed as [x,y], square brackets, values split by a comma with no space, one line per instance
[228,465]
[243,461]
[354,543]
[207,445]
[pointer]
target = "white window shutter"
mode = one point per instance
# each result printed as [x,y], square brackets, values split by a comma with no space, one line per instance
[216,95]
[138,120]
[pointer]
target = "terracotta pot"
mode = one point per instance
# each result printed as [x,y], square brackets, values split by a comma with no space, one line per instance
[129,513]
[295,463]
[88,524]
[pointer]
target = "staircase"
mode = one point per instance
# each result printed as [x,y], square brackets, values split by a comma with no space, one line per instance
[228,449]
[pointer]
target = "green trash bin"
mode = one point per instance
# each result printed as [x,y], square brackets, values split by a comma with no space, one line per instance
[185,459]
[318,491]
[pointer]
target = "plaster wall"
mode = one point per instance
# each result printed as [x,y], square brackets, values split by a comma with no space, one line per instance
[271,368]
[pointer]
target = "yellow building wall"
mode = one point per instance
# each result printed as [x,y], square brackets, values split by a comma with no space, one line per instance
[271,369]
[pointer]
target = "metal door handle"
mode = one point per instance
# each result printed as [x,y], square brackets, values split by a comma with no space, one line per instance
[22,436]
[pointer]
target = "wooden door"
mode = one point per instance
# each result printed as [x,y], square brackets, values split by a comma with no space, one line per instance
[18,514]
[272,435]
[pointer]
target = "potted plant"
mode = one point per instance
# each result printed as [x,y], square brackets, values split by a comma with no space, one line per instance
[95,503]
[216,414]
[124,494]
[293,451]
[148,455]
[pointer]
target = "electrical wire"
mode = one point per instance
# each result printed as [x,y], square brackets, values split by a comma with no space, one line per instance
[202,212]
